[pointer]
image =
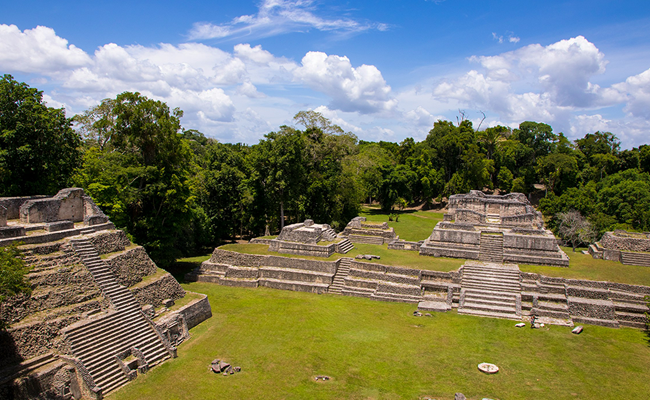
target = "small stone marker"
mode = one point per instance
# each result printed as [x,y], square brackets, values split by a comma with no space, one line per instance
[577,330]
[520,325]
[488,368]
[428,315]
[459,396]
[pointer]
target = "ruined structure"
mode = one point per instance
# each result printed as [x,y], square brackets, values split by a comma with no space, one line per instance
[630,248]
[359,230]
[100,311]
[494,229]
[306,239]
[476,288]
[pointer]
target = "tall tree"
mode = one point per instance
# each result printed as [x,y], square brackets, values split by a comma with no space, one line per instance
[140,174]
[39,150]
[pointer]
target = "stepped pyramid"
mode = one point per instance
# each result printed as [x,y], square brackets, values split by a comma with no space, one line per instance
[100,311]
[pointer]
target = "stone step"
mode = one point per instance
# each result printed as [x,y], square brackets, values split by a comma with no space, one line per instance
[633,324]
[490,294]
[539,312]
[469,305]
[490,279]
[428,305]
[595,321]
[400,298]
[357,291]
[501,287]
[489,314]
[628,316]
[481,300]
[642,259]
[630,307]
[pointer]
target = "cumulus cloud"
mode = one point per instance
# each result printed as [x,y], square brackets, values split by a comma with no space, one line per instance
[361,89]
[37,50]
[534,81]
[276,17]
[636,89]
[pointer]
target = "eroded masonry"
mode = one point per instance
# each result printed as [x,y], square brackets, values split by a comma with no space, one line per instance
[100,311]
[494,229]
[631,248]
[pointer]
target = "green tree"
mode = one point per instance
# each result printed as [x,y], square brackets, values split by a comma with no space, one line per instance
[504,179]
[140,175]
[39,150]
[12,274]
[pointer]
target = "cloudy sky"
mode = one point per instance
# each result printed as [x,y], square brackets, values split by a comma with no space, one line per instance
[382,69]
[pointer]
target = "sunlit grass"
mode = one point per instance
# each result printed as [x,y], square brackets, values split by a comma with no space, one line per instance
[378,350]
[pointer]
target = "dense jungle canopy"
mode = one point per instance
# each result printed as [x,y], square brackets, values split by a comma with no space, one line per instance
[177,192]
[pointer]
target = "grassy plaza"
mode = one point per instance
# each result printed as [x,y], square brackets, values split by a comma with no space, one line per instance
[378,350]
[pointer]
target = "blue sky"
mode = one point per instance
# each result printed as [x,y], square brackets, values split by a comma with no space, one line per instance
[383,69]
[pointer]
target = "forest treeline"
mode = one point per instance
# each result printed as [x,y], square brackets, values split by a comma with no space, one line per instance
[177,192]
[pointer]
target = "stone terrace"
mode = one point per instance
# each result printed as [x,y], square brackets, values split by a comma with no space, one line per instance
[494,229]
[629,248]
[85,313]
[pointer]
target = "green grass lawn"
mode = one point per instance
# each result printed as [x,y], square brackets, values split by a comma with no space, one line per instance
[410,259]
[377,350]
[412,225]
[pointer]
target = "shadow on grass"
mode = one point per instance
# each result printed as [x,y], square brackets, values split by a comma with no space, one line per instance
[180,268]
[378,211]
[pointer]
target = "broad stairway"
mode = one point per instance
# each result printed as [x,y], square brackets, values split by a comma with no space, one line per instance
[339,278]
[491,247]
[490,290]
[97,342]
[632,258]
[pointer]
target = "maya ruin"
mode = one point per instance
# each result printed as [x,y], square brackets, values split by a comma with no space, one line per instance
[100,313]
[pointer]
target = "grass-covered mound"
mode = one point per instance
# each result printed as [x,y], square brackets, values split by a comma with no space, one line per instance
[377,350]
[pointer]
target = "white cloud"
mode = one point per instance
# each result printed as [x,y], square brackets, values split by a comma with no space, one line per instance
[637,91]
[534,82]
[37,50]
[361,89]
[276,17]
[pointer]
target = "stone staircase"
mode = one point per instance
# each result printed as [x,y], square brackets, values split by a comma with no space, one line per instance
[328,235]
[341,273]
[97,342]
[493,218]
[490,290]
[491,247]
[345,246]
[118,295]
[631,258]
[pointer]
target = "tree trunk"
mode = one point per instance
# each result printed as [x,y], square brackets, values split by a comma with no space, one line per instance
[281,215]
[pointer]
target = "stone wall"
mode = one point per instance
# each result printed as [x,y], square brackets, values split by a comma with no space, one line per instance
[196,312]
[12,204]
[68,204]
[294,233]
[625,242]
[109,241]
[302,249]
[130,266]
[154,291]
[254,260]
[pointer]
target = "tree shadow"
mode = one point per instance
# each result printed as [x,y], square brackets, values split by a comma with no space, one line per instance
[9,355]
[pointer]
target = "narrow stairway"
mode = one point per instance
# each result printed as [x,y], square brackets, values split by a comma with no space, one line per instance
[491,247]
[490,290]
[339,278]
[328,235]
[345,246]
[98,341]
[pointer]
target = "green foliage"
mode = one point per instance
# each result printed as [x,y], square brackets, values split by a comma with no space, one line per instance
[12,274]
[139,174]
[39,150]
[504,179]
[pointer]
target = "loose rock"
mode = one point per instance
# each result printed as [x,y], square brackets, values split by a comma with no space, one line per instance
[520,325]
[577,330]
